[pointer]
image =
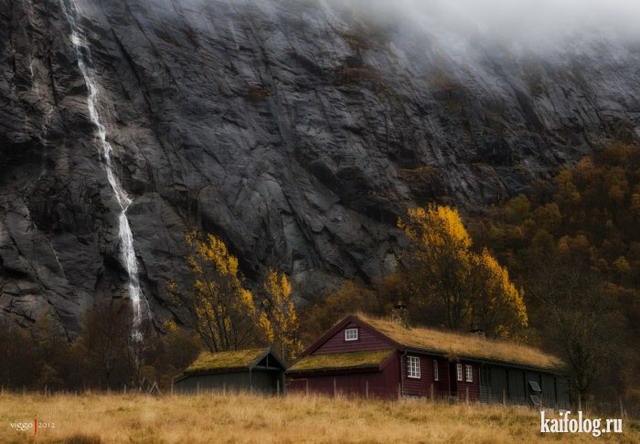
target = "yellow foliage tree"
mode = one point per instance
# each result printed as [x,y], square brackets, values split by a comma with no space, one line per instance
[457,286]
[224,311]
[567,193]
[279,319]
[442,268]
[497,304]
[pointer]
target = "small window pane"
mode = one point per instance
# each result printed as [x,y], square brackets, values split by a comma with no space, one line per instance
[459,371]
[436,370]
[469,370]
[351,334]
[413,367]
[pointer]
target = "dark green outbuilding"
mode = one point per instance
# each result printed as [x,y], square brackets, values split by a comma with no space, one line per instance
[514,384]
[254,370]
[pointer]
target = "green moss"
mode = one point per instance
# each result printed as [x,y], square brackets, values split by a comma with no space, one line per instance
[335,361]
[464,345]
[224,360]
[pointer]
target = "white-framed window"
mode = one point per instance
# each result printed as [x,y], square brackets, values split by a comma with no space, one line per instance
[436,373]
[469,373]
[459,371]
[351,334]
[413,367]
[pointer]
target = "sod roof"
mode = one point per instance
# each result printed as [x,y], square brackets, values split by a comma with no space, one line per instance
[231,360]
[463,345]
[342,361]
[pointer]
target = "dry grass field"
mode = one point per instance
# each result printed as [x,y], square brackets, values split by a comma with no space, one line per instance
[101,418]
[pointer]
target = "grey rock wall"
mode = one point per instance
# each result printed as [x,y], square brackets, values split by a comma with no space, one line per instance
[296,130]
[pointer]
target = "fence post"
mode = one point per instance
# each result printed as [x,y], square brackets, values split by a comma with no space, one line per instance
[467,395]
[197,388]
[334,387]
[432,398]
[307,383]
[621,408]
[504,397]
[278,387]
[366,389]
[224,388]
[579,402]
[399,390]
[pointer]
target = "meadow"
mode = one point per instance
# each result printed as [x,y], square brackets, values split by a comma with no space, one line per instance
[239,418]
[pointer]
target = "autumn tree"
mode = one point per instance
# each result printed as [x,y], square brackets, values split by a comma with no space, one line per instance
[579,319]
[279,318]
[17,357]
[455,285]
[104,344]
[497,305]
[179,346]
[351,297]
[222,310]
[575,246]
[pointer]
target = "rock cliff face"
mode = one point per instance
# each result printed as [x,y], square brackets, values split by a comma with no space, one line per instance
[297,130]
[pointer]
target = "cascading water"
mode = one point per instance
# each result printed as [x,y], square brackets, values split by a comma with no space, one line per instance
[128,253]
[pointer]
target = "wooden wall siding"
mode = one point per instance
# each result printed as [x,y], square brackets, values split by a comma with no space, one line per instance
[517,389]
[532,376]
[422,386]
[414,386]
[367,341]
[442,386]
[444,383]
[549,390]
[383,384]
[511,385]
[238,381]
[459,388]
[262,381]
[494,383]
[563,393]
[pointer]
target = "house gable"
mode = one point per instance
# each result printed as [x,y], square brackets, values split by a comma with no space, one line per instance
[368,339]
[269,362]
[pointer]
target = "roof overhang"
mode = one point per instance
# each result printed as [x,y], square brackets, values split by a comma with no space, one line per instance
[238,369]
[510,364]
[385,356]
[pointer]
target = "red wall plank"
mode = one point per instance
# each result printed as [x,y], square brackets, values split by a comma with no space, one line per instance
[459,388]
[422,386]
[367,341]
[383,384]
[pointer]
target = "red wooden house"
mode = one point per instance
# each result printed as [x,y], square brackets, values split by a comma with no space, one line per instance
[367,356]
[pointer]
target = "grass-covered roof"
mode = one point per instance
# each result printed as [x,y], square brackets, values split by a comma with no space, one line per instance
[231,360]
[463,345]
[342,361]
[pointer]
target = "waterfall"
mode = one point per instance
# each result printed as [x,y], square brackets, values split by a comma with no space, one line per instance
[127,250]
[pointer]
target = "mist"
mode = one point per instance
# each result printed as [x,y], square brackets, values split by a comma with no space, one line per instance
[539,24]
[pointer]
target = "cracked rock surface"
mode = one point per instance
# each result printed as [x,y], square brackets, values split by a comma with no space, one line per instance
[296,130]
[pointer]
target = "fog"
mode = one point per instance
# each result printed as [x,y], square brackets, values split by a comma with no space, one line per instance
[539,23]
[528,24]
